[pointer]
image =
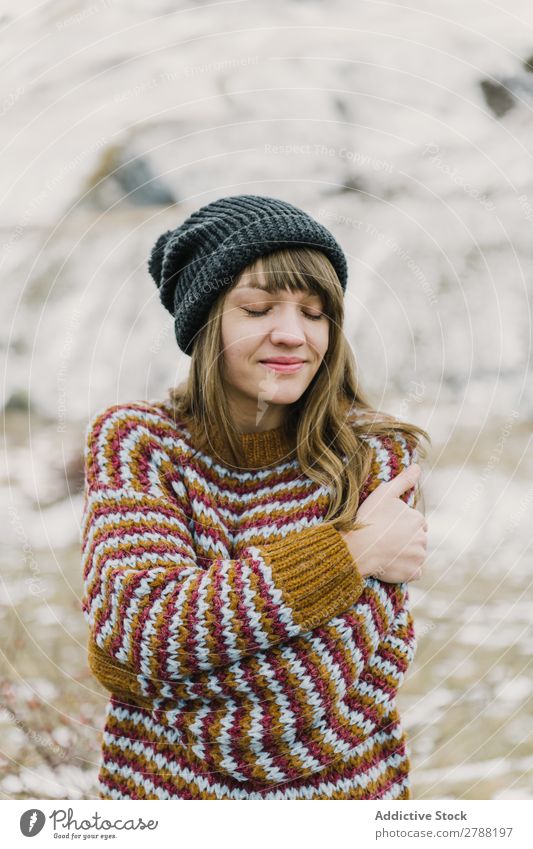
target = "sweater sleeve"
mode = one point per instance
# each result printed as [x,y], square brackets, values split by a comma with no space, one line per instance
[154,614]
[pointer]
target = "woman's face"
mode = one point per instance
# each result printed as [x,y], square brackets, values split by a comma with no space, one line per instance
[258,327]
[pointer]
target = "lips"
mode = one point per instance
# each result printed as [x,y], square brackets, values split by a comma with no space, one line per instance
[286,361]
[288,366]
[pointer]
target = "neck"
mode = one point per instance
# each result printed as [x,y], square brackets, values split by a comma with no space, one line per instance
[260,425]
[256,420]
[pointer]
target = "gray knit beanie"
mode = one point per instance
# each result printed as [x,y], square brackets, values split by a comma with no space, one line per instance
[192,264]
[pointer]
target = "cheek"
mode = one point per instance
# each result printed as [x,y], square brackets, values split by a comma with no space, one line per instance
[237,342]
[321,338]
[239,333]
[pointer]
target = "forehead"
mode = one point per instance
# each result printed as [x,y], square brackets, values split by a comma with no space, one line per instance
[255,282]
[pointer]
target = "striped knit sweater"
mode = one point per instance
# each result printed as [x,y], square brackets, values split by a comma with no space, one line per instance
[245,655]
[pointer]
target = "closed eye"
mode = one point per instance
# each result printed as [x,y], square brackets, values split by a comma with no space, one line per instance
[252,313]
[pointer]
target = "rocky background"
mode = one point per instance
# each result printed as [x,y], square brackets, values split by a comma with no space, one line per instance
[407,130]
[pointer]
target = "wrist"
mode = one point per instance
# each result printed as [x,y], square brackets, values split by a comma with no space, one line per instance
[361,552]
[365,568]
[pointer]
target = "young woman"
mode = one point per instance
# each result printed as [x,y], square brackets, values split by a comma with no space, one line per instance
[248,542]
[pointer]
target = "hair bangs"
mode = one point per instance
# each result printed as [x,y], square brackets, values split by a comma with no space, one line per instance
[300,269]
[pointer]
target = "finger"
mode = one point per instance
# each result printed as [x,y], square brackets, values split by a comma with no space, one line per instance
[403,481]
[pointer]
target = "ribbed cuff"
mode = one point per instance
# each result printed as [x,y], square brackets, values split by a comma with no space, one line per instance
[114,676]
[316,573]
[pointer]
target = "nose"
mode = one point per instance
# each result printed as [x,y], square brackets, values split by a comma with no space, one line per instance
[287,327]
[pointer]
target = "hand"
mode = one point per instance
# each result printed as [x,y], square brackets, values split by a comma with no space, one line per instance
[393,543]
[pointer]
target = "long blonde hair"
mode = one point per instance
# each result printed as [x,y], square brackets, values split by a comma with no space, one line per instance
[330,419]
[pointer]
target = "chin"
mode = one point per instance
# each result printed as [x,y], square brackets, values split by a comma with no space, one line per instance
[283,398]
